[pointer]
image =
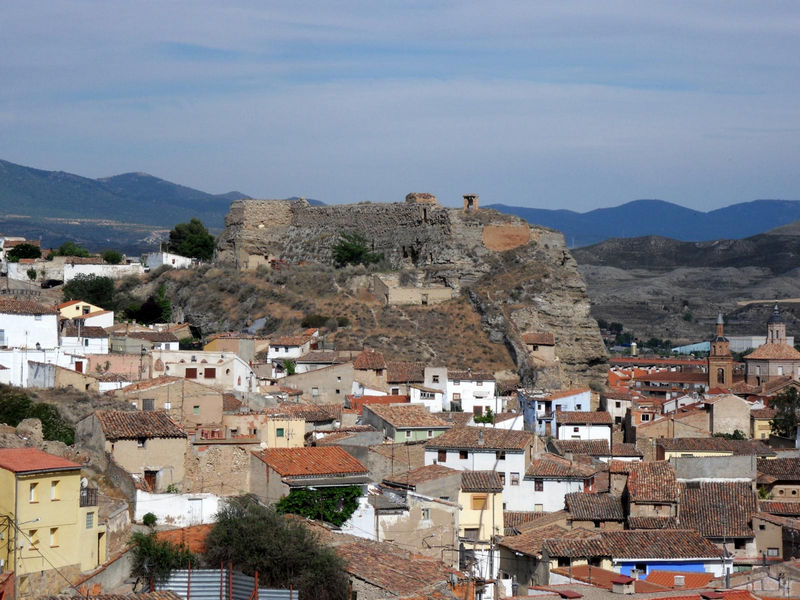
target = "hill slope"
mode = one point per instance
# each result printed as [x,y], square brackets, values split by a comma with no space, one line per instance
[659,218]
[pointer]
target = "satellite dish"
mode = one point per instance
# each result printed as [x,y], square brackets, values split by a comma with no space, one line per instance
[84,482]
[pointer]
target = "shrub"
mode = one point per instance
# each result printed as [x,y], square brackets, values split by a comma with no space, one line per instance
[351,249]
[23,251]
[112,257]
[149,519]
[72,249]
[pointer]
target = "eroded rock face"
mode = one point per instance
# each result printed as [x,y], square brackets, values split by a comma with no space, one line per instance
[518,278]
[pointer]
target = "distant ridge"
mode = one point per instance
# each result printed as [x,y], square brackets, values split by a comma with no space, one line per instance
[660,218]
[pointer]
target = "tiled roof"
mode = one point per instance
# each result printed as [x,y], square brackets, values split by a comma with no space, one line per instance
[369,360]
[403,371]
[541,338]
[320,356]
[675,377]
[551,466]
[652,523]
[87,332]
[407,416]
[358,402]
[783,469]
[557,395]
[290,340]
[310,461]
[25,460]
[620,466]
[569,417]
[594,507]
[481,481]
[775,507]
[587,447]
[652,482]
[481,438]
[605,579]
[309,412]
[718,509]
[230,403]
[12,306]
[193,537]
[763,413]
[131,425]
[573,544]
[389,568]
[773,352]
[530,542]
[468,375]
[715,444]
[514,518]
[692,580]
[622,449]
[153,336]
[663,543]
[96,313]
[457,418]
[419,475]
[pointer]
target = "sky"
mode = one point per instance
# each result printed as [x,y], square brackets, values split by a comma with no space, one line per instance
[575,105]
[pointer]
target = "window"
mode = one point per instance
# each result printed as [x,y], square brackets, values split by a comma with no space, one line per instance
[338,391]
[148,404]
[502,478]
[89,520]
[33,535]
[478,502]
[578,407]
[37,317]
[442,456]
[739,544]
[645,417]
[477,410]
[471,533]
[463,454]
[456,396]
[378,372]
[456,382]
[86,342]
[338,378]
[191,373]
[210,373]
[426,514]
[772,552]
[500,455]
[140,442]
[279,432]
[55,491]
[33,493]
[538,507]
[53,537]
[575,430]
[478,383]
[408,434]
[395,391]
[315,391]
[430,433]
[514,478]
[435,379]
[196,409]
[618,404]
[2,337]
[538,485]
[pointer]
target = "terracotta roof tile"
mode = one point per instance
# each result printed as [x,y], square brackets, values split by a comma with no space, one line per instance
[468,375]
[457,418]
[12,306]
[587,447]
[598,577]
[513,518]
[652,523]
[310,461]
[773,352]
[358,402]
[541,338]
[622,449]
[420,475]
[715,444]
[408,416]
[583,418]
[763,413]
[481,481]
[530,542]
[775,507]
[290,340]
[193,537]
[594,507]
[691,579]
[309,412]
[369,360]
[652,482]
[230,403]
[25,460]
[663,543]
[482,439]
[551,466]
[573,544]
[87,332]
[320,356]
[403,371]
[783,469]
[151,383]
[620,466]
[122,425]
[557,395]
[717,509]
[152,336]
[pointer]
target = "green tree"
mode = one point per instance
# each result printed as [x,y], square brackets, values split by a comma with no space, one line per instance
[112,257]
[351,249]
[91,288]
[156,309]
[284,552]
[154,559]
[738,434]
[23,251]
[333,505]
[72,249]
[289,367]
[488,417]
[31,274]
[15,406]
[787,404]
[191,239]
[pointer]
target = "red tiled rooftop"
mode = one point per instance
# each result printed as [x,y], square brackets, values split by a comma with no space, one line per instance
[310,461]
[691,579]
[27,460]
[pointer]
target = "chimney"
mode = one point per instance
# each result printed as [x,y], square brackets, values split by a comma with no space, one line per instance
[680,581]
[480,438]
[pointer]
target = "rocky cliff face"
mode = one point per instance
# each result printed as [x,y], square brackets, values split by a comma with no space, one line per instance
[518,278]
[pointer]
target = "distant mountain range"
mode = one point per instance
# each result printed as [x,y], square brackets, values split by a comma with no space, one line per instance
[656,217]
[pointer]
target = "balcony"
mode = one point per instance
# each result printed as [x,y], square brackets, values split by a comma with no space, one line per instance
[89,497]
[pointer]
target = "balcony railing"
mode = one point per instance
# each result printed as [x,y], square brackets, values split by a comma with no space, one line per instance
[89,497]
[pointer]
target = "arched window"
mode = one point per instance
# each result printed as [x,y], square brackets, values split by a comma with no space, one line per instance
[720,375]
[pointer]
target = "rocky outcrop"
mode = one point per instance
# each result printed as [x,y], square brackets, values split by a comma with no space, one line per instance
[519,278]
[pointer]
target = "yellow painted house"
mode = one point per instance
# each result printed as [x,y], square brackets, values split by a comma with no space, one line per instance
[480,521]
[77,308]
[47,520]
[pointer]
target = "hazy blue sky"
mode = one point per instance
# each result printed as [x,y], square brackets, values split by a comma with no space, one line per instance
[545,104]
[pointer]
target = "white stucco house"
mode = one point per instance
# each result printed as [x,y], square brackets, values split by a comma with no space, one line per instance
[550,478]
[84,340]
[471,392]
[27,324]
[153,260]
[584,426]
[223,370]
[507,452]
[290,347]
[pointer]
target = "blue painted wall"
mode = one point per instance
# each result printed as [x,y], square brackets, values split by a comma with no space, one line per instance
[656,565]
